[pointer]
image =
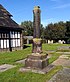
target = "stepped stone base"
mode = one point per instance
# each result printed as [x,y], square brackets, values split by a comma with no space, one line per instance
[40,71]
[36,61]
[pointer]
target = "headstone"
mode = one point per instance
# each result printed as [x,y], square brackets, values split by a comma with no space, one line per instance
[50,41]
[61,76]
[5,67]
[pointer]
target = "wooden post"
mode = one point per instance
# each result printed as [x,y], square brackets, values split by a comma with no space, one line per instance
[21,40]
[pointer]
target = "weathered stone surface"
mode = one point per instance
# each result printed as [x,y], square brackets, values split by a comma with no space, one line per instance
[65,53]
[63,60]
[37,45]
[36,21]
[21,61]
[37,61]
[37,56]
[61,76]
[6,67]
[64,48]
[37,42]
[40,71]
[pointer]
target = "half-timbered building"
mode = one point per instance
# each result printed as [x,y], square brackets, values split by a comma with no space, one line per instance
[10,32]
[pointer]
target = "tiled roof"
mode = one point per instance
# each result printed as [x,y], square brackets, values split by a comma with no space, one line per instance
[4,12]
[6,20]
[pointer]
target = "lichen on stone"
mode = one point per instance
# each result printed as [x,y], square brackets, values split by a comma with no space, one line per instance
[37,40]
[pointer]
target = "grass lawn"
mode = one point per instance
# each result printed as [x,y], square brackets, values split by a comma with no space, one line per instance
[13,75]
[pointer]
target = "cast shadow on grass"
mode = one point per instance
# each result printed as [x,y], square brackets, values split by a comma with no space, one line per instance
[25,46]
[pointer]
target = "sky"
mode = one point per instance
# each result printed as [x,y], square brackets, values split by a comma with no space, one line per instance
[51,10]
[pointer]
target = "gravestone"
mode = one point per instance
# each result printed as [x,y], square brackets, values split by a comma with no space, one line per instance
[61,76]
[37,60]
[5,67]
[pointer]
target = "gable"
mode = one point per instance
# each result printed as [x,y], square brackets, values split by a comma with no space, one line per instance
[6,20]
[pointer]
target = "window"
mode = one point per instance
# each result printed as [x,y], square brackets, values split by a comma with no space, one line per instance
[15,38]
[5,43]
[18,42]
[18,34]
[13,35]
[1,43]
[13,43]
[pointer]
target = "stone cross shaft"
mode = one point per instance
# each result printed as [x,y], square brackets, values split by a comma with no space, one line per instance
[37,60]
[37,41]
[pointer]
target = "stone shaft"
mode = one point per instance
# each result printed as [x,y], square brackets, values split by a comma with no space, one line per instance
[37,60]
[37,42]
[36,21]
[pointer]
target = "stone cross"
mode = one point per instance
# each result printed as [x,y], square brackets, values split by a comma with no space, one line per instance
[37,60]
[37,41]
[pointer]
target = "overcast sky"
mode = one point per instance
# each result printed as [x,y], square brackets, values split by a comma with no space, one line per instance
[51,10]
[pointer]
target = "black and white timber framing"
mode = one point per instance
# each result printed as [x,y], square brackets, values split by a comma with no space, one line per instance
[10,32]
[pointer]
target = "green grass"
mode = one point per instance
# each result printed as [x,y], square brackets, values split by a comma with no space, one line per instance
[53,46]
[53,57]
[13,75]
[11,57]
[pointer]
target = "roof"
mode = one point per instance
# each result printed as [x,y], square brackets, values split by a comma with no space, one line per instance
[6,20]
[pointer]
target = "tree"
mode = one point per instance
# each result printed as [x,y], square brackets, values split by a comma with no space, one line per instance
[42,31]
[61,30]
[28,28]
[49,31]
[68,31]
[55,31]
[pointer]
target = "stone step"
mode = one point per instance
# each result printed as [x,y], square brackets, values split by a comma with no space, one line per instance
[40,71]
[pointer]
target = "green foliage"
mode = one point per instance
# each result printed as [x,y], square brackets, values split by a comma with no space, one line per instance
[68,41]
[56,31]
[28,28]
[68,29]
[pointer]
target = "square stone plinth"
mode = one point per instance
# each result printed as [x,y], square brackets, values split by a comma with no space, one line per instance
[36,61]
